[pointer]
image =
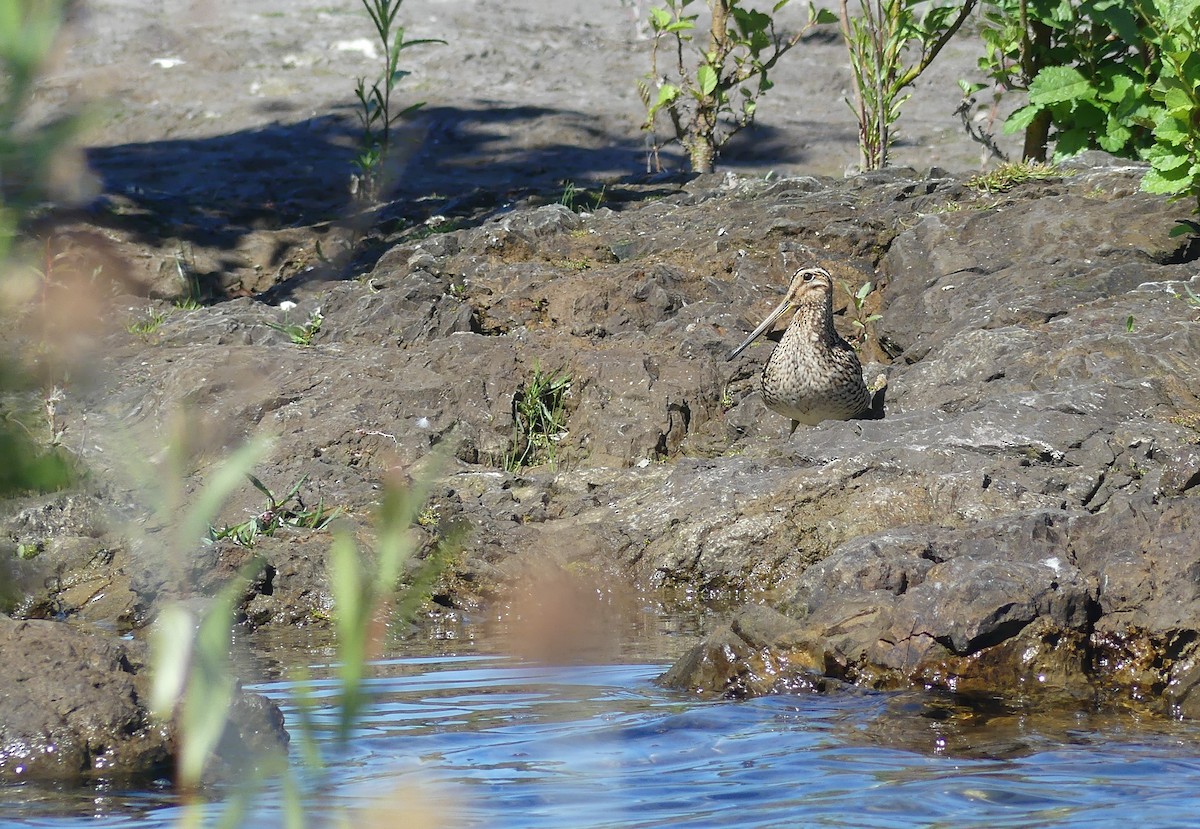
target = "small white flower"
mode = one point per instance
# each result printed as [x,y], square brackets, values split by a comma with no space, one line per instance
[422,423]
[286,305]
[167,63]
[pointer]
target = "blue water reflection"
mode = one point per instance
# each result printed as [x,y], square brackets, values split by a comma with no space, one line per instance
[491,742]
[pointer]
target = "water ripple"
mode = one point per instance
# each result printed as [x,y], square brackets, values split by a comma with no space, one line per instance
[498,744]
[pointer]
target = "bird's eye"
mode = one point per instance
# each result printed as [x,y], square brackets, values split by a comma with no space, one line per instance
[808,277]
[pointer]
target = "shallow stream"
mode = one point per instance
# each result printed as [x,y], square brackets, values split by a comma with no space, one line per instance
[481,740]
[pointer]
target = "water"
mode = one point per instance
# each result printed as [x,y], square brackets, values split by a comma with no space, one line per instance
[496,742]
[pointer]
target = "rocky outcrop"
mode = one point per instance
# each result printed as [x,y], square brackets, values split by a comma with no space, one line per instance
[74,708]
[1022,517]
[1037,468]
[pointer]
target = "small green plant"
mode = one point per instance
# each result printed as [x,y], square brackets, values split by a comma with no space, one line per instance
[1129,324]
[539,419]
[375,114]
[147,324]
[1008,175]
[574,198]
[185,266]
[582,264]
[429,517]
[300,333]
[276,516]
[878,39]
[708,104]
[568,196]
[860,318]
[1190,297]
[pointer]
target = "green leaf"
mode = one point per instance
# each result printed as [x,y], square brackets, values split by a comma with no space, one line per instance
[1178,13]
[353,605]
[823,17]
[1060,84]
[1185,227]
[404,44]
[1071,143]
[706,79]
[1156,182]
[261,487]
[1172,130]
[171,647]
[1180,103]
[659,18]
[1117,15]
[1165,158]
[1115,87]
[1115,137]
[1021,118]
[667,93]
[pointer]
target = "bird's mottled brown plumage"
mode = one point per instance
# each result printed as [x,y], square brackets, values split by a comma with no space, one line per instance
[813,374]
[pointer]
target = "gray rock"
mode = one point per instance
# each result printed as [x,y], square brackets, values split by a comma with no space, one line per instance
[73,709]
[1042,357]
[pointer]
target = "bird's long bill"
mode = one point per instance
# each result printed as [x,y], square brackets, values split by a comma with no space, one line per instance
[758,332]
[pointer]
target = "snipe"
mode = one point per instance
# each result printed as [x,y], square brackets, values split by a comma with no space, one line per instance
[813,374]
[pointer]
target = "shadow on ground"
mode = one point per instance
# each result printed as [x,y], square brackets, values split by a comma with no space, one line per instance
[465,164]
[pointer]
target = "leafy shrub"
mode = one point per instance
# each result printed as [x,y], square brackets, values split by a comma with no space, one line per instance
[878,39]
[1103,74]
[708,104]
[1175,155]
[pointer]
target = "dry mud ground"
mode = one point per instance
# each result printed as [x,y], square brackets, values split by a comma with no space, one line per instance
[237,104]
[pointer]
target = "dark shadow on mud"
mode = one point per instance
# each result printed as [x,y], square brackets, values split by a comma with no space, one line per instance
[466,164]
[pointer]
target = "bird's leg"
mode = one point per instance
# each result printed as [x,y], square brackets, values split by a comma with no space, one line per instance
[795,423]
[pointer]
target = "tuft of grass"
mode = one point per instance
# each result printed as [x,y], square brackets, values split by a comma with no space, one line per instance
[276,516]
[300,333]
[1188,421]
[185,266]
[1008,175]
[578,200]
[581,264]
[539,419]
[147,324]
[431,227]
